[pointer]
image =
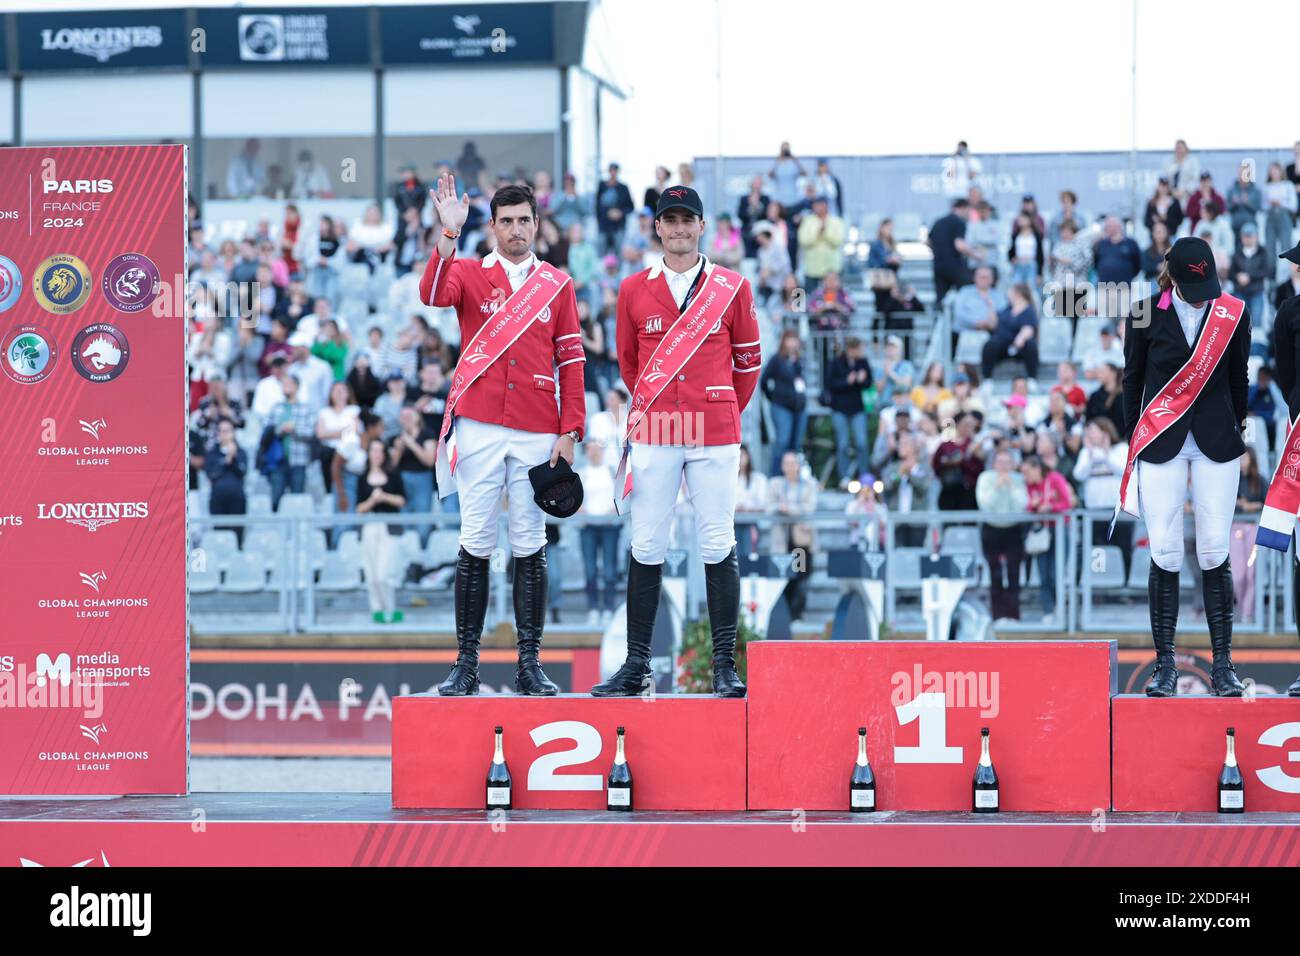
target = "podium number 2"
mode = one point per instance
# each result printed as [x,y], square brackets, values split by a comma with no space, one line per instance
[586,739]
[931,711]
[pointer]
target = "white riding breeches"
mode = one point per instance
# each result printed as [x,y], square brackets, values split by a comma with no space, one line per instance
[492,460]
[711,477]
[1162,491]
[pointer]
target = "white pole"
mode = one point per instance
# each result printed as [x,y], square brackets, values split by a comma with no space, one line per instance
[1133,104]
[717,159]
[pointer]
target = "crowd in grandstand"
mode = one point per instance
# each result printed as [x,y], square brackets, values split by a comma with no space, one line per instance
[335,364]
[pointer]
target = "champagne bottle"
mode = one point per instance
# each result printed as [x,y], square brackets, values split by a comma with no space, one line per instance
[498,779]
[986,779]
[620,780]
[1232,788]
[862,785]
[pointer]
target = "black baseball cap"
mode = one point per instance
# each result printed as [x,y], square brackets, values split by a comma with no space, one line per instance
[679,197]
[1191,266]
[557,490]
[1292,254]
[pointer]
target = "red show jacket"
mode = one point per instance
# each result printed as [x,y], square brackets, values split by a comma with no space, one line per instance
[518,389]
[713,388]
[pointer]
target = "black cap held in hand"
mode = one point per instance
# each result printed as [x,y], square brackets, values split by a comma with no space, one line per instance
[1191,266]
[558,490]
[679,197]
[1292,255]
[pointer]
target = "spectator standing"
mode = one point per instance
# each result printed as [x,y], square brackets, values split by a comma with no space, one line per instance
[226,464]
[1244,199]
[310,179]
[906,481]
[332,422]
[957,464]
[1071,267]
[1026,252]
[1098,471]
[361,379]
[1280,203]
[849,375]
[380,491]
[829,185]
[1069,212]
[599,540]
[1184,171]
[773,261]
[430,396]
[1163,207]
[410,192]
[322,268]
[1108,350]
[331,347]
[369,241]
[246,176]
[868,516]
[751,498]
[388,406]
[750,211]
[613,203]
[270,390]
[1118,260]
[785,174]
[1250,501]
[1049,494]
[821,237]
[1002,489]
[294,422]
[783,384]
[932,392]
[413,455]
[568,208]
[653,193]
[948,244]
[217,406]
[960,171]
[791,494]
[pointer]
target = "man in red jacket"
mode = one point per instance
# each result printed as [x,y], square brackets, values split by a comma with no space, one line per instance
[519,328]
[688,350]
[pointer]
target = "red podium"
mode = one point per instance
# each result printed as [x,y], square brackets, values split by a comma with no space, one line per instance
[923,704]
[686,751]
[1168,752]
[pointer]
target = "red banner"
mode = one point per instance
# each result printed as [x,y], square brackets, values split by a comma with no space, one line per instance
[93,660]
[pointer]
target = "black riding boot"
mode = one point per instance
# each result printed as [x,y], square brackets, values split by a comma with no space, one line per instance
[722,583]
[1216,586]
[643,583]
[530,617]
[1294,689]
[1162,596]
[471,605]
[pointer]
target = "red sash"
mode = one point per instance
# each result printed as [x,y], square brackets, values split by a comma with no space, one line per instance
[1175,400]
[682,340]
[1278,516]
[528,304]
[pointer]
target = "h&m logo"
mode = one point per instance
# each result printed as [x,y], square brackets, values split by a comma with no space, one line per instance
[654,324]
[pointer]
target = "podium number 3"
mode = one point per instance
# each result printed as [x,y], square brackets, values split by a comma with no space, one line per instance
[586,739]
[931,711]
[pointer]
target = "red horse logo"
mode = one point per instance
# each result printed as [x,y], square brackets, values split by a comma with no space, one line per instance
[677,193]
[1199,267]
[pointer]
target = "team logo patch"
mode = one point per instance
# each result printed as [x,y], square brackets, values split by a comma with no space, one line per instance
[100,352]
[62,284]
[29,354]
[131,282]
[654,324]
[11,283]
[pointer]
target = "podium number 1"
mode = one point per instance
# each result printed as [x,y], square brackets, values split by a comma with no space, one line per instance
[932,735]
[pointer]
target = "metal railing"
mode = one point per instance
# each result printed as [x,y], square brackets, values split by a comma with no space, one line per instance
[308,586]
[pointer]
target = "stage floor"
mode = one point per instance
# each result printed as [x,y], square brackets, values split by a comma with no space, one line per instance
[279,829]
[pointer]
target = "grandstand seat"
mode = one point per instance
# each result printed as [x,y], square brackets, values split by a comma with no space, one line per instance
[906,569]
[1054,344]
[204,580]
[960,538]
[1087,336]
[1111,575]
[339,572]
[246,573]
[220,546]
[442,548]
[1140,568]
[970,347]
[297,504]
[259,504]
[268,542]
[280,575]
